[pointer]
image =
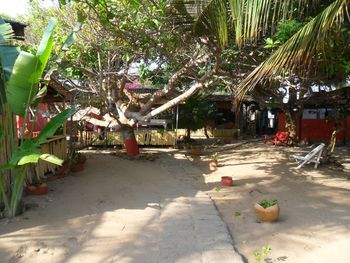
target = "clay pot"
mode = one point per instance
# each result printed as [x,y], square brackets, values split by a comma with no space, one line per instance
[269,214]
[77,167]
[213,164]
[63,170]
[227,140]
[186,146]
[82,159]
[226,180]
[41,189]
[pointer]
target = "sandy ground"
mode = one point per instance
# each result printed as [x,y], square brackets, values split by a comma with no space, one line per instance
[314,224]
[120,211]
[79,218]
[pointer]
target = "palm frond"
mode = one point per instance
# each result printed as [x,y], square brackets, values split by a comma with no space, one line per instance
[251,19]
[297,54]
[204,18]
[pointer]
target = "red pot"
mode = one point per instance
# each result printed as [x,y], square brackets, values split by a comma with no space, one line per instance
[226,180]
[63,170]
[82,159]
[41,189]
[77,167]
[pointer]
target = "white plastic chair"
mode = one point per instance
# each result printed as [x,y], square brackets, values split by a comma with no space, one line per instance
[312,157]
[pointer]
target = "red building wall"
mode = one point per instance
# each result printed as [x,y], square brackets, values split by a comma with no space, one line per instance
[38,125]
[317,130]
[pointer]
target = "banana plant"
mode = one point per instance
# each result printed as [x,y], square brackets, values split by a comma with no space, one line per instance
[22,72]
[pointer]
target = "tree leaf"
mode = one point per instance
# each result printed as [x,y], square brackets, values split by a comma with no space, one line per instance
[6,32]
[45,47]
[51,158]
[50,128]
[29,158]
[23,81]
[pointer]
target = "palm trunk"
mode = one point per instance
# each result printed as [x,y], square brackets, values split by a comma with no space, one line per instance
[188,134]
[291,124]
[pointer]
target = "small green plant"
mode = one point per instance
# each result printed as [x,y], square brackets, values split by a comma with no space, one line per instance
[268,203]
[262,253]
[237,213]
[214,156]
[217,189]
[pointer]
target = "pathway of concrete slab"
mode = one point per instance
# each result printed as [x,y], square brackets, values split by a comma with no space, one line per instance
[121,211]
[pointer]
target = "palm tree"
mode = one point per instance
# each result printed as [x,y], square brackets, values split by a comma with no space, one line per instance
[247,21]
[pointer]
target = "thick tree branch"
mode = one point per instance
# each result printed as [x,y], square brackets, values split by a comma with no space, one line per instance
[170,86]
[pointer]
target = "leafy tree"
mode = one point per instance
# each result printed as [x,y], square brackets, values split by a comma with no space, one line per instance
[310,38]
[195,114]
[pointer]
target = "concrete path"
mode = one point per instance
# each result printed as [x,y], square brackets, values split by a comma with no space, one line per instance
[121,211]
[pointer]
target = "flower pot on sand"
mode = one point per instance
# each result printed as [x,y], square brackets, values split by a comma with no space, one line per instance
[267,210]
[76,167]
[81,158]
[226,180]
[213,164]
[63,170]
[186,146]
[41,189]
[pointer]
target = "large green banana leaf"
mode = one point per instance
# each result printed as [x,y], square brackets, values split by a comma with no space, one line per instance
[30,150]
[8,55]
[26,73]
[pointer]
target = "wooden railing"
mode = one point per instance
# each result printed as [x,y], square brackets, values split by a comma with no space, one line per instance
[57,146]
[152,137]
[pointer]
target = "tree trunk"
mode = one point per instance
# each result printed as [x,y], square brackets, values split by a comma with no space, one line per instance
[291,124]
[206,132]
[130,143]
[188,135]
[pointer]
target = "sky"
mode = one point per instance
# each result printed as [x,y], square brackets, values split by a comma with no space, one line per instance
[14,8]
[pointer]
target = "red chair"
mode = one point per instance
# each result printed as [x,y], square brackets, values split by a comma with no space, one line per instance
[280,138]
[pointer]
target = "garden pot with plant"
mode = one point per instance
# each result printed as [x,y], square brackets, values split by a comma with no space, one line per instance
[186,146]
[226,180]
[63,170]
[76,167]
[81,158]
[40,189]
[213,163]
[267,210]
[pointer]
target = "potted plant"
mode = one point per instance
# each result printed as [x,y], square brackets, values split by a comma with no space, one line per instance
[76,162]
[81,158]
[213,163]
[37,189]
[226,180]
[267,210]
[186,146]
[63,170]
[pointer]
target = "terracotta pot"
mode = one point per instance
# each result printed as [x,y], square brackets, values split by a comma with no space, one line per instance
[82,159]
[186,146]
[77,167]
[226,180]
[213,164]
[63,170]
[41,189]
[227,140]
[269,214]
